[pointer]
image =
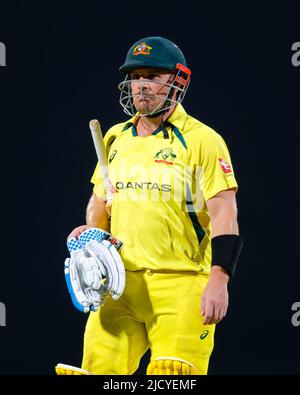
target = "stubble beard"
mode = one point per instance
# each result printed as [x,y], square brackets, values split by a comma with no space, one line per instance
[148,105]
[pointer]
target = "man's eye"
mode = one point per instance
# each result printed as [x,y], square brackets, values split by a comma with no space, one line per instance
[152,76]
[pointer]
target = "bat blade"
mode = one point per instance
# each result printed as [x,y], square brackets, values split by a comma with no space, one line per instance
[95,128]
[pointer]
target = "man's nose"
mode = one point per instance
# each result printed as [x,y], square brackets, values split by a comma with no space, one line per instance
[143,83]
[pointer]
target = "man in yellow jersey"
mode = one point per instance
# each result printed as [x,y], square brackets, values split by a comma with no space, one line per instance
[174,209]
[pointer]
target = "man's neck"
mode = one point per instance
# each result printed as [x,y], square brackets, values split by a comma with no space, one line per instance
[146,126]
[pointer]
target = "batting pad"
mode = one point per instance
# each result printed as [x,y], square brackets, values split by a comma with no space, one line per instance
[68,370]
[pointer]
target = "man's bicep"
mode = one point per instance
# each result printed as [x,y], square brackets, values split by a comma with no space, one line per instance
[222,209]
[96,214]
[223,200]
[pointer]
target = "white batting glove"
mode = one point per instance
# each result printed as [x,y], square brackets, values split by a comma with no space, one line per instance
[84,278]
[104,248]
[94,270]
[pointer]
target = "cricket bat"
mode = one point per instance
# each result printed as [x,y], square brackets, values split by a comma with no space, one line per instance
[101,155]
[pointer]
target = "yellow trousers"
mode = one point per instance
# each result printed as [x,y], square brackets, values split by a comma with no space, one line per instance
[157,310]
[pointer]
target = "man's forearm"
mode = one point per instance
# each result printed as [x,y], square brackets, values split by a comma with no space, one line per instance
[225,223]
[96,214]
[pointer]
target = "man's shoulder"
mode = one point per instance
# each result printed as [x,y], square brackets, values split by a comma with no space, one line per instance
[114,132]
[198,131]
[116,129]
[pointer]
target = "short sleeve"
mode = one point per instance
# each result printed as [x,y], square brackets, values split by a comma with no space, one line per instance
[217,170]
[97,179]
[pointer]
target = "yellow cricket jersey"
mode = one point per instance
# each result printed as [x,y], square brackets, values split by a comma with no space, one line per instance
[161,184]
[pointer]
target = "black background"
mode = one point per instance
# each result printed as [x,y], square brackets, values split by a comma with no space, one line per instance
[62,71]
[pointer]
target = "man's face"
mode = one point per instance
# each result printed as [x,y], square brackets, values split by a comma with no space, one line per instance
[149,95]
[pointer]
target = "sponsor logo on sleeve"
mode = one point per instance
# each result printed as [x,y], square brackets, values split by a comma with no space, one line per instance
[225,166]
[113,154]
[204,335]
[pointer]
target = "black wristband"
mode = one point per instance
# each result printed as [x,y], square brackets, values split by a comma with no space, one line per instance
[226,250]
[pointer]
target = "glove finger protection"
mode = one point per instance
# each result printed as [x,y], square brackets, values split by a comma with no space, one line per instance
[103,248]
[115,280]
[78,297]
[84,278]
[118,266]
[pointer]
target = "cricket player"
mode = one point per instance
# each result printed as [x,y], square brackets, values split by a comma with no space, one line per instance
[174,209]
